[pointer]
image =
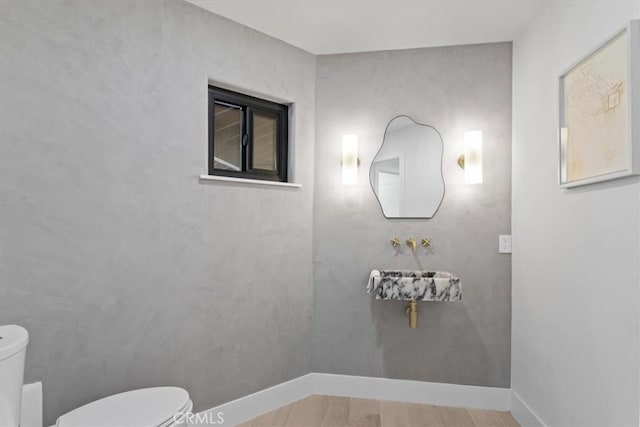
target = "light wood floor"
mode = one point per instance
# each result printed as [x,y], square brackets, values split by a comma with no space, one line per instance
[329,411]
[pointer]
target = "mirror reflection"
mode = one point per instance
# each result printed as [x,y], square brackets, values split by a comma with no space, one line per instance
[406,174]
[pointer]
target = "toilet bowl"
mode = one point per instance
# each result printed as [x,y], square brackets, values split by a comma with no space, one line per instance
[148,407]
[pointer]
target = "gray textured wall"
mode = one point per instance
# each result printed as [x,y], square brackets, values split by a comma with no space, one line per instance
[454,89]
[125,269]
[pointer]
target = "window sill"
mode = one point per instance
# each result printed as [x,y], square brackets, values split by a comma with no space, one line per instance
[249,181]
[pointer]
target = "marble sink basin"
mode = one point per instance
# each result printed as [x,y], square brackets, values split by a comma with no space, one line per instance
[407,285]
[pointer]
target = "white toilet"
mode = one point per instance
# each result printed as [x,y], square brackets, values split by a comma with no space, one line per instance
[13,348]
[149,407]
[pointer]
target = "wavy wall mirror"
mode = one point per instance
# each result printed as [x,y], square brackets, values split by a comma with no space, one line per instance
[406,174]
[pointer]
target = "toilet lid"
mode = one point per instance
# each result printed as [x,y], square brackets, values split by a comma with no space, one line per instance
[148,407]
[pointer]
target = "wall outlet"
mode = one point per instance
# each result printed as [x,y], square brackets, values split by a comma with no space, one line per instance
[504,243]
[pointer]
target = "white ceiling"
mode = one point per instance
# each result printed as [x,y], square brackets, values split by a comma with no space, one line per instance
[334,26]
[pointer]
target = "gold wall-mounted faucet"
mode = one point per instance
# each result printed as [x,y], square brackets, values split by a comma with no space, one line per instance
[411,242]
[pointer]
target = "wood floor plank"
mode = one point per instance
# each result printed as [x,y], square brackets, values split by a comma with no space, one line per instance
[307,412]
[394,414]
[276,418]
[364,413]
[458,417]
[337,414]
[492,418]
[331,411]
[485,418]
[280,416]
[424,415]
[508,420]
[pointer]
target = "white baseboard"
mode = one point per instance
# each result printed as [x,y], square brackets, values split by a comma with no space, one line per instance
[253,405]
[467,396]
[248,407]
[523,413]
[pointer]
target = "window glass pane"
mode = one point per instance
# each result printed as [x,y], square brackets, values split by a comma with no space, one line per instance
[265,137]
[227,149]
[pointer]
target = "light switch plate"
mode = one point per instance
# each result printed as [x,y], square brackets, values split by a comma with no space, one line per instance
[504,243]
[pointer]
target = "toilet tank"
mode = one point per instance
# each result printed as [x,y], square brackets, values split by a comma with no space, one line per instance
[13,348]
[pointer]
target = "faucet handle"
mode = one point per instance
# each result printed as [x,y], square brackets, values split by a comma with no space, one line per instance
[426,242]
[395,242]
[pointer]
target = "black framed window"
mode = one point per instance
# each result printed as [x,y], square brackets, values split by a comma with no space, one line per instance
[248,136]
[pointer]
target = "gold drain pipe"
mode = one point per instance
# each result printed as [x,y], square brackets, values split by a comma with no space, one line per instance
[412,313]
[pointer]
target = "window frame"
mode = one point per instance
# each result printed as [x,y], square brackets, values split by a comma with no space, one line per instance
[249,105]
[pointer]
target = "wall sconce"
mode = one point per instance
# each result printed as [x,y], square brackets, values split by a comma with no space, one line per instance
[350,160]
[471,160]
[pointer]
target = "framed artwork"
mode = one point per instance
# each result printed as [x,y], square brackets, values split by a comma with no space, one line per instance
[599,127]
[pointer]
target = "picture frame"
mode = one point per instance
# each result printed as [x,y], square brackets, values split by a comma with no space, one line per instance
[599,112]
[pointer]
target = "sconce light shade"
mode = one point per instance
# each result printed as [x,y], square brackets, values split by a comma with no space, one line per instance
[350,159]
[473,157]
